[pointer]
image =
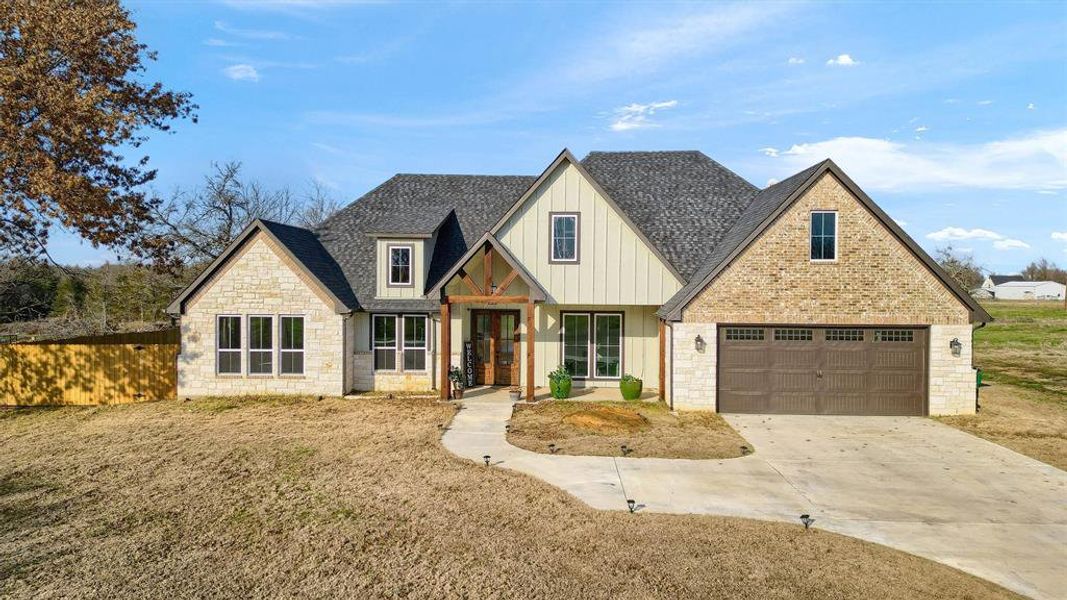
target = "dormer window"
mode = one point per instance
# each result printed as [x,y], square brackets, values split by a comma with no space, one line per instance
[400,265]
[564,247]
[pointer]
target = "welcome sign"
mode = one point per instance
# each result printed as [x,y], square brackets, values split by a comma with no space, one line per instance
[468,363]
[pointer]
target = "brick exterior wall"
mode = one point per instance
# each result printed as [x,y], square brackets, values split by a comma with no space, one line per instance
[952,378]
[259,280]
[694,377]
[875,280]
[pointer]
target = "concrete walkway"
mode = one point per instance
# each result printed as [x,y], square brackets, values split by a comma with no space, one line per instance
[905,482]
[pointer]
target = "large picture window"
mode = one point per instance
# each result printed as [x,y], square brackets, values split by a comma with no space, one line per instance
[384,338]
[400,265]
[260,345]
[823,235]
[292,351]
[228,345]
[414,343]
[564,237]
[592,345]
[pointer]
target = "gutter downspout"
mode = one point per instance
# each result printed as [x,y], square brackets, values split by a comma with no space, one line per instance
[977,406]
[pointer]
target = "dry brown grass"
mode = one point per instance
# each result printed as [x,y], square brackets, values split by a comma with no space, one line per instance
[1030,422]
[648,429]
[358,499]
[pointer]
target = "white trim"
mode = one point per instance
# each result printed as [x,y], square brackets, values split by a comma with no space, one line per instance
[622,337]
[239,349]
[303,345]
[552,237]
[249,350]
[389,264]
[837,235]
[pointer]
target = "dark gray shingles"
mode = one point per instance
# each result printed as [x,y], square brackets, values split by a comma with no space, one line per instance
[307,249]
[762,207]
[472,204]
[683,202]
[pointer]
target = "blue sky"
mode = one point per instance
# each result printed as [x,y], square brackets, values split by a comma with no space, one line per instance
[953,117]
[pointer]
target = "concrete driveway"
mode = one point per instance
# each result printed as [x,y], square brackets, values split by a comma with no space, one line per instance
[906,482]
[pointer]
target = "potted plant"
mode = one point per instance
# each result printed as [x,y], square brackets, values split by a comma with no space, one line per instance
[515,393]
[456,377]
[630,387]
[559,382]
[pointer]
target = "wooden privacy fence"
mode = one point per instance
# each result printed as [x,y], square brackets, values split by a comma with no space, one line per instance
[103,369]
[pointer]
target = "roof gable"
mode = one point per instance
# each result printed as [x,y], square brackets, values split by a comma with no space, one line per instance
[775,200]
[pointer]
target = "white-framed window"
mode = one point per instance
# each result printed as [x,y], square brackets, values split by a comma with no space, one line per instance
[823,235]
[260,345]
[383,339]
[592,345]
[228,345]
[400,265]
[291,359]
[415,342]
[564,243]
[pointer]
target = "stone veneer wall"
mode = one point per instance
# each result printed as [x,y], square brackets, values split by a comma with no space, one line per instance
[952,378]
[694,375]
[260,280]
[874,281]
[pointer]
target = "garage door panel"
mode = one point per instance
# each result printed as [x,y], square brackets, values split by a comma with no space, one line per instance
[822,370]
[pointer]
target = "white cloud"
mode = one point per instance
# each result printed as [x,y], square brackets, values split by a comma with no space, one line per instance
[252,34]
[843,60]
[921,129]
[1059,235]
[636,116]
[771,182]
[984,102]
[241,72]
[901,222]
[219,43]
[1010,244]
[1036,161]
[1030,106]
[959,233]
[771,152]
[796,60]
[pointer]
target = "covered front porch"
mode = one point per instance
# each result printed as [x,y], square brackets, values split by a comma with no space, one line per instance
[501,328]
[490,393]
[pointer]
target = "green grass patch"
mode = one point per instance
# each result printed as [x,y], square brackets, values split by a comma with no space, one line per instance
[1025,346]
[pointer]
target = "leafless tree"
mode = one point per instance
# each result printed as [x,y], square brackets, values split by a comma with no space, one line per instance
[961,267]
[319,205]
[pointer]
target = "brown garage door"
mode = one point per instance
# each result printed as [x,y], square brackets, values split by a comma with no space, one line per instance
[822,371]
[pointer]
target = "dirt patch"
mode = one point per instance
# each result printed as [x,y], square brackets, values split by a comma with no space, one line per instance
[647,429]
[600,419]
[1030,422]
[359,499]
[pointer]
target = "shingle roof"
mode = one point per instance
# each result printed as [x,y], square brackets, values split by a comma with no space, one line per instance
[470,204]
[683,202]
[762,206]
[306,248]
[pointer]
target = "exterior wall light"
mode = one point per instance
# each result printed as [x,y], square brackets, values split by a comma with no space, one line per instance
[700,344]
[955,346]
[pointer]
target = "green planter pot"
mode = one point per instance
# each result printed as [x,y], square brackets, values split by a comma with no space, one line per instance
[631,390]
[560,389]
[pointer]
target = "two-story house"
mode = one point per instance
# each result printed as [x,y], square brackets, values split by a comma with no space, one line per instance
[803,297]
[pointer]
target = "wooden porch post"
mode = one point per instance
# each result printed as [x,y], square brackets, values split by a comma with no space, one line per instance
[446,347]
[530,335]
[662,360]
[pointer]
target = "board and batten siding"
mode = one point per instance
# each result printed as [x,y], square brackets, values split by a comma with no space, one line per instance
[422,250]
[616,267]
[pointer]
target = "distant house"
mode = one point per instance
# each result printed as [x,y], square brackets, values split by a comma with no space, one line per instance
[992,281]
[1029,290]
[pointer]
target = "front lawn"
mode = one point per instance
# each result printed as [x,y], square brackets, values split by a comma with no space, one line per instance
[647,429]
[359,499]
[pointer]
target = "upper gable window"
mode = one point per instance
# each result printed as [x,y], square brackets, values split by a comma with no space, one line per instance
[564,237]
[400,265]
[823,235]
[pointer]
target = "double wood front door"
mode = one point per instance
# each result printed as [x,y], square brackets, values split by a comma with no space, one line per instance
[495,337]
